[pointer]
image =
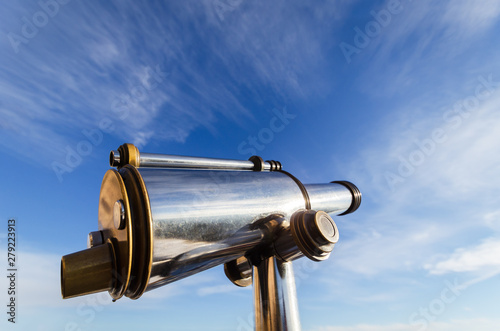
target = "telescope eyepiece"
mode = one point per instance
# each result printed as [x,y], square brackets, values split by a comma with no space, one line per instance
[315,233]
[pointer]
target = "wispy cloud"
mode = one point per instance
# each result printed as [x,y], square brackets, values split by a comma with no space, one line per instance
[425,38]
[217,289]
[92,54]
[479,258]
[467,17]
[441,220]
[98,60]
[453,325]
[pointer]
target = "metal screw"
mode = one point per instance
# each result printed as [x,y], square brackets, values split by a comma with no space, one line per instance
[95,238]
[119,215]
[114,158]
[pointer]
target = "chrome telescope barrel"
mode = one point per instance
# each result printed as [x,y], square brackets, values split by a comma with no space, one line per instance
[182,215]
[195,209]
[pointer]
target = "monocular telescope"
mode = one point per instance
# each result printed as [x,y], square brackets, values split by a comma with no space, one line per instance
[162,218]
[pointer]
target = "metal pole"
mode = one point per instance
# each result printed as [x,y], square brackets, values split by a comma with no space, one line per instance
[290,303]
[275,297]
[191,162]
[177,161]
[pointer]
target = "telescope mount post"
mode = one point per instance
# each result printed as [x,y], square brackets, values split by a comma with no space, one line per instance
[275,296]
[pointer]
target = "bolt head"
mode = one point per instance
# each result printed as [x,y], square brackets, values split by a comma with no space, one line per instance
[119,215]
[95,238]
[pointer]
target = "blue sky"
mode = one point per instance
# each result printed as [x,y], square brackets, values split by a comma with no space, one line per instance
[399,97]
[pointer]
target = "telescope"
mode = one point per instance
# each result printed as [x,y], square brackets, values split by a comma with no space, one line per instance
[162,218]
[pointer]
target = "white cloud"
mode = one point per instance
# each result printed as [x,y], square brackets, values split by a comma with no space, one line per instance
[453,325]
[400,247]
[39,280]
[217,289]
[441,204]
[492,220]
[71,75]
[469,17]
[425,38]
[461,168]
[480,258]
[368,327]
